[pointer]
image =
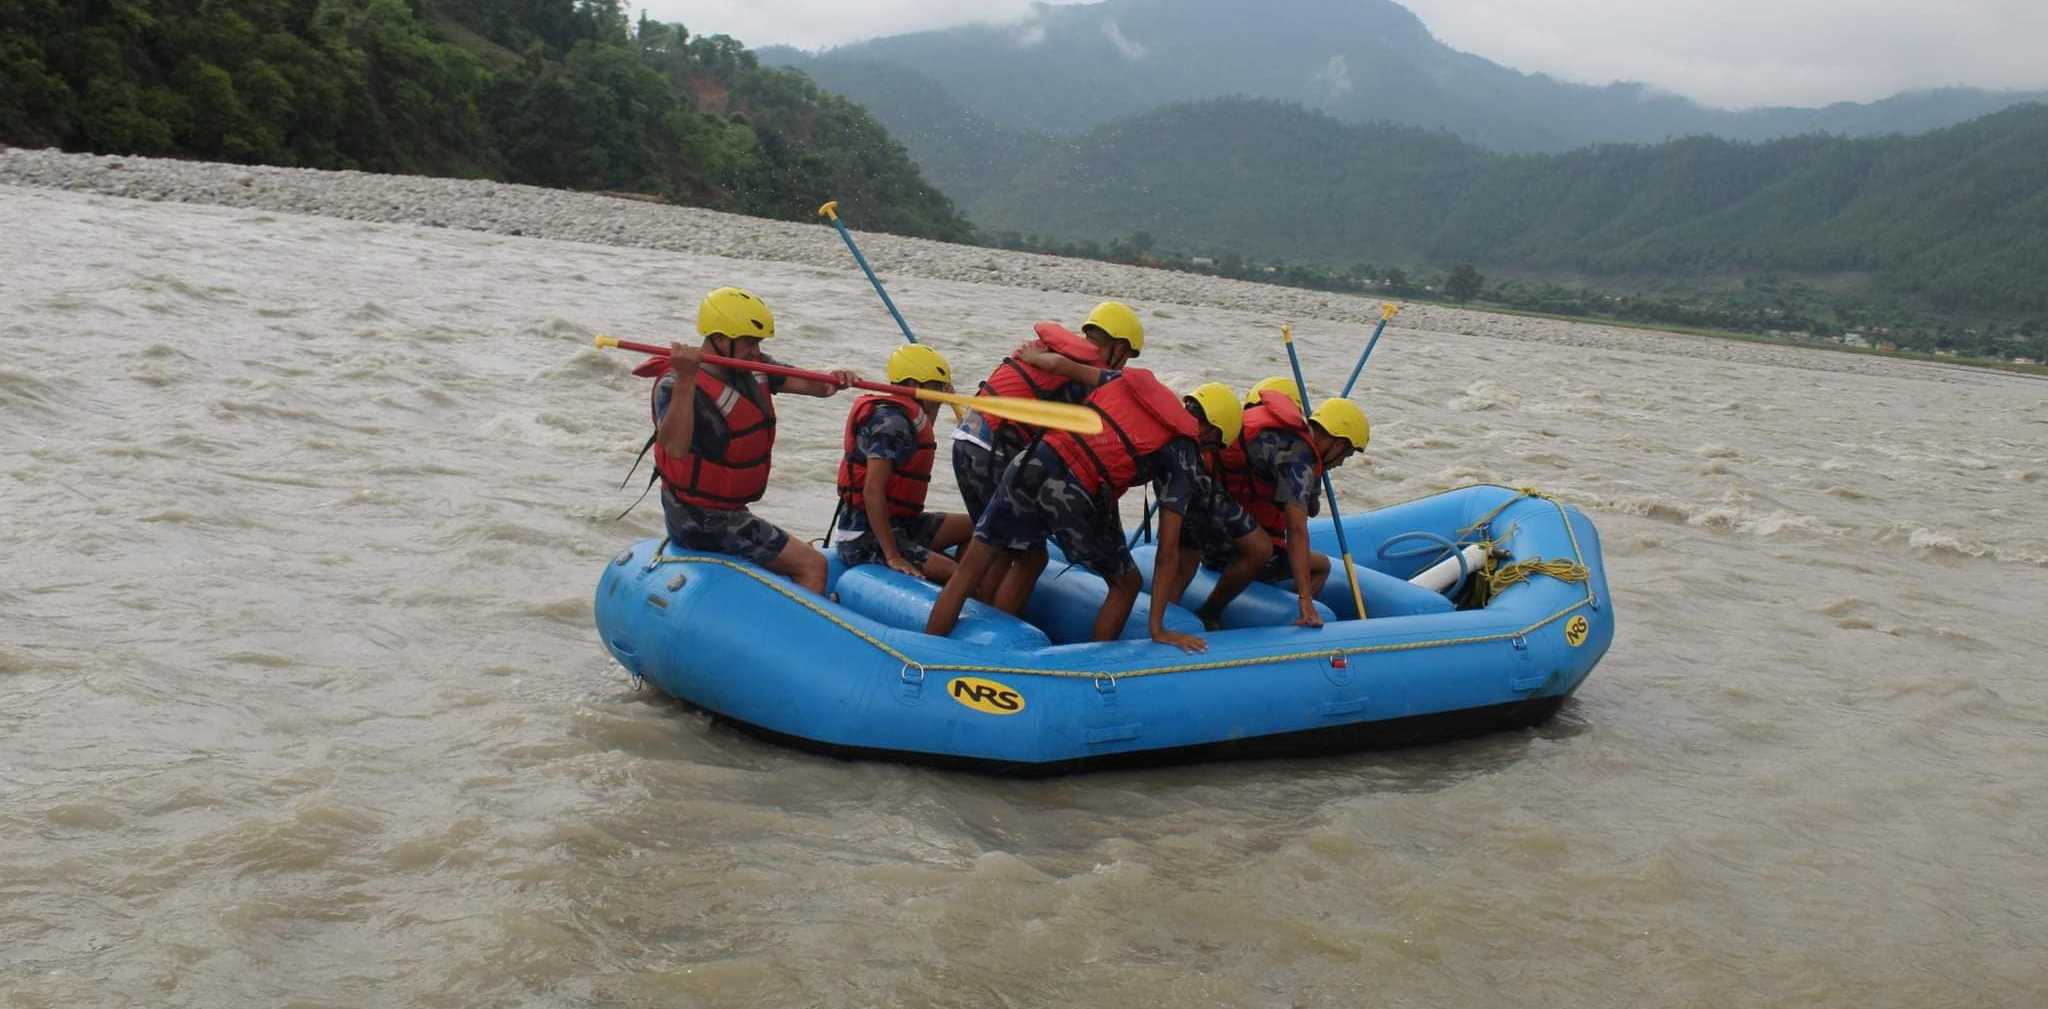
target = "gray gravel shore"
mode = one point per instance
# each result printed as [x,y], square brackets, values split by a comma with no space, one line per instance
[594,218]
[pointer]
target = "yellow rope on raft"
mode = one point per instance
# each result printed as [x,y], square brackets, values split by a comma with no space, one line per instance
[1492,581]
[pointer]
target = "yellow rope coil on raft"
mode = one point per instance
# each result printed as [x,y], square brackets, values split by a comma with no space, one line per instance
[812,603]
[1490,581]
[1495,580]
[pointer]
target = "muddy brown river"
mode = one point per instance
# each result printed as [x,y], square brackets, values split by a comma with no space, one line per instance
[301,705]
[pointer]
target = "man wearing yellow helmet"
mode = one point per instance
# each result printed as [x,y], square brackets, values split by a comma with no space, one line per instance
[1059,366]
[1066,487]
[713,459]
[1275,469]
[1275,383]
[887,469]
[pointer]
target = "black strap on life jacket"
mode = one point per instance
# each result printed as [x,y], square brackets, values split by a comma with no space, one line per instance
[1102,470]
[1011,363]
[651,478]
[825,542]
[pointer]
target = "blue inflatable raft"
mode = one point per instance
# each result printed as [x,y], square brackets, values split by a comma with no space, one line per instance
[858,677]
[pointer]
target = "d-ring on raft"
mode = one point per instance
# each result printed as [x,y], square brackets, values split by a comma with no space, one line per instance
[859,678]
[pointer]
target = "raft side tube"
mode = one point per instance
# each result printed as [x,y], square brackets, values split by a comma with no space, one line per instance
[1263,604]
[1445,514]
[898,600]
[1384,581]
[1064,602]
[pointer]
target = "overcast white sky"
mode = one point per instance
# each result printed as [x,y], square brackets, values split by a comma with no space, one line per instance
[1728,52]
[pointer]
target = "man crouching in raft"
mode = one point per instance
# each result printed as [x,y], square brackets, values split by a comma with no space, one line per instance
[1067,487]
[1274,470]
[714,458]
[887,469]
[1216,531]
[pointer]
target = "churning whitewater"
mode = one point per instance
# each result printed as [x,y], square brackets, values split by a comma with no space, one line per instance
[300,701]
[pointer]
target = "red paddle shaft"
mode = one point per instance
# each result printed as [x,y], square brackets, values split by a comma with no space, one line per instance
[762,367]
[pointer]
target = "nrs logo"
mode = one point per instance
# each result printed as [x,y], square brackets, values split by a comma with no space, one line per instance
[986,696]
[1576,629]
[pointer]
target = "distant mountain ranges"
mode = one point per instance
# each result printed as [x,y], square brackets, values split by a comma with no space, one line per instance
[1365,138]
[1073,66]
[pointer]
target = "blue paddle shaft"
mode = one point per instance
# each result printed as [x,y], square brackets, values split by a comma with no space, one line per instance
[872,279]
[1336,520]
[1359,368]
[1329,489]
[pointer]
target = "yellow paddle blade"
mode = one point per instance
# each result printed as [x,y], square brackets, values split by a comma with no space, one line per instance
[1037,413]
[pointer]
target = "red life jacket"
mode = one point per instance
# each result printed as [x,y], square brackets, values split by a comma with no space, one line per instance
[1245,485]
[908,482]
[1139,416]
[1015,378]
[741,477]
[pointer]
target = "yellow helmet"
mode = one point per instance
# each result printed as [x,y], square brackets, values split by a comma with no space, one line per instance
[732,312]
[1343,419]
[1220,406]
[915,362]
[1120,321]
[1278,383]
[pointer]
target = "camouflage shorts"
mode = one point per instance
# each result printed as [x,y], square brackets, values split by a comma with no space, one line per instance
[737,532]
[976,470]
[914,537]
[1215,530]
[1276,565]
[1037,498]
[1276,568]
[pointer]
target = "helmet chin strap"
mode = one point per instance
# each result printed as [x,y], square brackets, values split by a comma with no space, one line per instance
[731,346]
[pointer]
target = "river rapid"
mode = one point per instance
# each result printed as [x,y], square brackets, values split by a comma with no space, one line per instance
[301,704]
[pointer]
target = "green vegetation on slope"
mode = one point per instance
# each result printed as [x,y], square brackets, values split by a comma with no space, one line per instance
[562,93]
[1956,220]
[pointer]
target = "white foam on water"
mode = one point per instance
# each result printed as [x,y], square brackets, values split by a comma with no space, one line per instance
[1485,395]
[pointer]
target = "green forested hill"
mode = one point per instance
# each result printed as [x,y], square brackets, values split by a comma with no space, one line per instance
[1957,217]
[966,154]
[553,92]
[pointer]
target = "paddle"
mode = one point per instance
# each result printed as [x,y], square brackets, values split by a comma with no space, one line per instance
[1329,489]
[1038,413]
[830,211]
[1387,310]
